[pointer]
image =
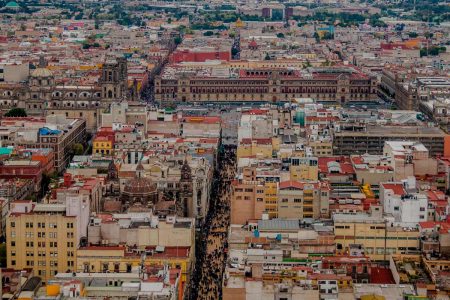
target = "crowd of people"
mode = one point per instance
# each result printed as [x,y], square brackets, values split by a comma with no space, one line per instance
[211,253]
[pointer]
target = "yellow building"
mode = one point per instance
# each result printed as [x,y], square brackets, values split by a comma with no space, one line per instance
[103,145]
[271,199]
[45,237]
[261,148]
[120,259]
[304,168]
[321,148]
[378,240]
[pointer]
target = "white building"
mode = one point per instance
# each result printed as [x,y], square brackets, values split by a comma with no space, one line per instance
[406,208]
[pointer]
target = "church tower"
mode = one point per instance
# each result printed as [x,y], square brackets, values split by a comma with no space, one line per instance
[114,80]
[184,204]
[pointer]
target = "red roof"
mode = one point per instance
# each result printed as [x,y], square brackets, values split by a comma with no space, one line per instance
[291,184]
[381,276]
[397,188]
[253,44]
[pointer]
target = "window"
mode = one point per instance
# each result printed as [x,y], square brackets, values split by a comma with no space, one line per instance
[297,200]
[13,224]
[421,217]
[284,200]
[69,225]
[13,243]
[396,208]
[422,209]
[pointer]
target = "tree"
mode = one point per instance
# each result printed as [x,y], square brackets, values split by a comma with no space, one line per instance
[208,33]
[78,149]
[328,36]
[267,56]
[16,112]
[413,34]
[316,36]
[177,40]
[280,35]
[428,35]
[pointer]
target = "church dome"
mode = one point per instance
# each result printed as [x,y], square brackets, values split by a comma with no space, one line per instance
[41,72]
[140,186]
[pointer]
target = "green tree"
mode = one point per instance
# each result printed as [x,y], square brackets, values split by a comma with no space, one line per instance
[316,36]
[413,34]
[16,112]
[208,33]
[177,40]
[78,149]
[267,56]
[280,35]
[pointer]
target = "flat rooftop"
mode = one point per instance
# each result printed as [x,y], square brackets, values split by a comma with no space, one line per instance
[388,291]
[399,131]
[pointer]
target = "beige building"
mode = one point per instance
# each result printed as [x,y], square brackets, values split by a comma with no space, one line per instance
[304,168]
[409,159]
[141,230]
[14,72]
[299,200]
[247,201]
[125,113]
[378,240]
[45,237]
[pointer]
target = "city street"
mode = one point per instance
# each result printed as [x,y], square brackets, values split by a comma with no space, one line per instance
[211,256]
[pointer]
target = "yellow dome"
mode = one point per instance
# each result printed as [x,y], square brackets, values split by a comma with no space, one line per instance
[41,72]
[239,23]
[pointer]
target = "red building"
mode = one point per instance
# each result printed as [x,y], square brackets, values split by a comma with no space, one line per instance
[358,267]
[23,169]
[199,56]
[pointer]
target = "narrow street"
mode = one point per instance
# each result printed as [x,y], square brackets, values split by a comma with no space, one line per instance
[211,256]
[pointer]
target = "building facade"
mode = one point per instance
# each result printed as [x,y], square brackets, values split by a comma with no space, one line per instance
[328,84]
[45,237]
